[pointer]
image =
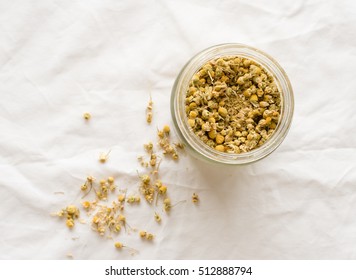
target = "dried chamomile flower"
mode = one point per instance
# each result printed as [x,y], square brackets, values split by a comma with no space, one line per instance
[133,199]
[71,213]
[146,235]
[158,183]
[142,161]
[148,147]
[111,180]
[195,198]
[87,116]
[118,245]
[149,236]
[157,218]
[167,204]
[164,143]
[88,184]
[102,191]
[162,190]
[122,219]
[153,160]
[149,194]
[155,164]
[149,116]
[145,179]
[111,183]
[146,188]
[149,108]
[117,228]
[179,145]
[121,197]
[90,179]
[166,129]
[160,133]
[121,201]
[104,157]
[70,223]
[86,205]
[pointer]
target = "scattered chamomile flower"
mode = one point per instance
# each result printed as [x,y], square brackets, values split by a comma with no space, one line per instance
[157,217]
[122,219]
[166,129]
[149,113]
[121,197]
[148,147]
[195,198]
[179,145]
[149,236]
[118,245]
[104,157]
[111,180]
[167,204]
[70,223]
[153,160]
[87,116]
[133,199]
[86,205]
[162,190]
[71,213]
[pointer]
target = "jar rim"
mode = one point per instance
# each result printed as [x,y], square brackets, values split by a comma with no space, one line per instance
[196,145]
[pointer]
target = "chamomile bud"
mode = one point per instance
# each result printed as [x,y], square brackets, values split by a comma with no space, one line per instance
[166,129]
[111,180]
[70,223]
[87,116]
[118,245]
[162,189]
[149,236]
[195,198]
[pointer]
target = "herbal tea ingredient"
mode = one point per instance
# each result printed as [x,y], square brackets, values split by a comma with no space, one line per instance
[107,217]
[164,142]
[87,116]
[146,235]
[71,213]
[149,108]
[233,104]
[195,198]
[104,157]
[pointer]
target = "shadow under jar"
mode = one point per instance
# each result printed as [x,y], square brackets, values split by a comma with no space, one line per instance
[198,130]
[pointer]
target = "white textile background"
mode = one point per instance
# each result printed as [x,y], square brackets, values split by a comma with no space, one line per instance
[61,58]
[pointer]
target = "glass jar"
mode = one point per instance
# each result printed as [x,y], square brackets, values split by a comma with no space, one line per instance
[180,119]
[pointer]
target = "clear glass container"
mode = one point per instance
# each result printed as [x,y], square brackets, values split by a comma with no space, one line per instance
[179,90]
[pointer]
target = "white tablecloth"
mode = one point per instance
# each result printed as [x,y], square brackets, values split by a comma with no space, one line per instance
[60,59]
